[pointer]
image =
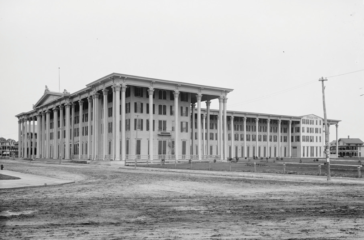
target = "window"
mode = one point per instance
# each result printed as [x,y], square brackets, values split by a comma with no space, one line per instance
[138,107]
[241,137]
[162,125]
[264,138]
[138,124]
[110,112]
[110,127]
[184,126]
[171,95]
[127,107]
[236,136]
[138,91]
[259,138]
[275,138]
[162,109]
[127,124]
[248,137]
[162,95]
[171,110]
[184,97]
[254,138]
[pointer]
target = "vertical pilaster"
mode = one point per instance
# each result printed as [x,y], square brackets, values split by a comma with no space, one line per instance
[96,126]
[225,129]
[123,139]
[199,96]
[80,127]
[67,144]
[220,133]
[105,153]
[117,122]
[256,136]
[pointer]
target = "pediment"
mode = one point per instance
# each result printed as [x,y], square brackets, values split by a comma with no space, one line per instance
[311,116]
[47,98]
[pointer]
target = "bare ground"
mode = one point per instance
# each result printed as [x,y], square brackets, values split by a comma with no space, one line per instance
[111,203]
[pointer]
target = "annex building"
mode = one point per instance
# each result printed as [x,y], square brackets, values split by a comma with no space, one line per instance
[122,117]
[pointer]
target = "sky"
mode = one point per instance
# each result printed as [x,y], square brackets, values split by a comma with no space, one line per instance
[272,53]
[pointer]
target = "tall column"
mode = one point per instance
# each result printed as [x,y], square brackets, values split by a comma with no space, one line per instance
[199,96]
[40,135]
[105,91]
[289,139]
[268,136]
[193,129]
[73,130]
[204,135]
[123,152]
[26,137]
[337,140]
[176,125]
[113,133]
[67,145]
[80,127]
[256,136]
[55,130]
[96,125]
[19,138]
[244,123]
[89,116]
[61,136]
[33,138]
[232,135]
[208,126]
[117,122]
[48,113]
[225,128]
[279,138]
[44,136]
[220,133]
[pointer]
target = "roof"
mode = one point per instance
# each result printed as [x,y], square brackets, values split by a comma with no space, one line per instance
[351,140]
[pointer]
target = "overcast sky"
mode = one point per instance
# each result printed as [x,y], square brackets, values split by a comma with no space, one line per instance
[271,53]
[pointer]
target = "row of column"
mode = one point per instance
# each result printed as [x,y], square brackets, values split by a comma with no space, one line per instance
[222,141]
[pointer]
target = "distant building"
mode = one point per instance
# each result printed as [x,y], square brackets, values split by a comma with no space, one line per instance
[348,147]
[123,117]
[8,147]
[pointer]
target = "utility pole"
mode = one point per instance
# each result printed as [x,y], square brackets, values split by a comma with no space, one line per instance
[327,144]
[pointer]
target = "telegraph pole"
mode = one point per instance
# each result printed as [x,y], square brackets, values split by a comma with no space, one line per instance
[327,144]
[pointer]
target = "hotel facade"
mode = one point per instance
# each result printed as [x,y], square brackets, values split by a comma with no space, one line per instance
[126,118]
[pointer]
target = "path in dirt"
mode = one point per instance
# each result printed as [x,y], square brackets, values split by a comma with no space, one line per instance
[108,202]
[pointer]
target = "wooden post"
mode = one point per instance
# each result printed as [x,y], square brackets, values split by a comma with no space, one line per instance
[284,168]
[327,144]
[319,169]
[359,171]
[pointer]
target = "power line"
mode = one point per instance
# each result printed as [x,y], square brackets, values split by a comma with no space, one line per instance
[263,97]
[345,73]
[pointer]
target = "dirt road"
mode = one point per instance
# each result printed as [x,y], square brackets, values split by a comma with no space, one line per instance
[111,203]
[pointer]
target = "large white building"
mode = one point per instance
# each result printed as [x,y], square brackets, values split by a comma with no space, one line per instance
[122,117]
